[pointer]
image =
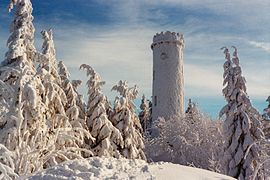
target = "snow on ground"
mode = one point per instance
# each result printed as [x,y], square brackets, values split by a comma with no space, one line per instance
[110,168]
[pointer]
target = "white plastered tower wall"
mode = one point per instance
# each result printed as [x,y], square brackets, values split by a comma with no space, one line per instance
[168,75]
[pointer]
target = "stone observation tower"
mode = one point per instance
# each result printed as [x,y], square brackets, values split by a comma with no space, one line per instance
[168,75]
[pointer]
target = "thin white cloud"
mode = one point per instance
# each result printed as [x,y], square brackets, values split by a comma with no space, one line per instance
[202,81]
[263,45]
[207,81]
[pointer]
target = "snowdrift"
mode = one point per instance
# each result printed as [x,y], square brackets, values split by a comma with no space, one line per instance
[111,168]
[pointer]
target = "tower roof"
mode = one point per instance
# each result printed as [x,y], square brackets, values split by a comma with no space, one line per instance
[168,37]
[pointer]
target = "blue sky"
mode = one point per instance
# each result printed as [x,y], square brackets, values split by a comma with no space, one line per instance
[114,36]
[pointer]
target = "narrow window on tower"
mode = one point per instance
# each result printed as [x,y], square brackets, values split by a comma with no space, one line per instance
[163,56]
[155,100]
[154,75]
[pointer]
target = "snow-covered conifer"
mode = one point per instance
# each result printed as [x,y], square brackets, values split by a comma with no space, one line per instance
[21,41]
[34,124]
[242,126]
[25,123]
[126,120]
[192,111]
[54,96]
[108,139]
[18,73]
[62,113]
[75,100]
[26,138]
[266,122]
[75,107]
[144,115]
[20,55]
[266,114]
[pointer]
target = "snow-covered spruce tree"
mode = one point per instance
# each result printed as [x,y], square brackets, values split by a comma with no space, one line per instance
[17,72]
[267,110]
[144,115]
[54,96]
[74,108]
[62,119]
[242,125]
[71,89]
[27,126]
[192,111]
[266,114]
[21,41]
[128,123]
[24,130]
[266,145]
[108,139]
[266,122]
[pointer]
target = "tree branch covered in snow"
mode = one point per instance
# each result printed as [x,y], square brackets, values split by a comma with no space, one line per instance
[7,166]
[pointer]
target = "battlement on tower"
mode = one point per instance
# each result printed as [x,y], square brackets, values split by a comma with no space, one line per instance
[168,37]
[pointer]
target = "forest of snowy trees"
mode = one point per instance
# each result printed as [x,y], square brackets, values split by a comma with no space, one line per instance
[44,120]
